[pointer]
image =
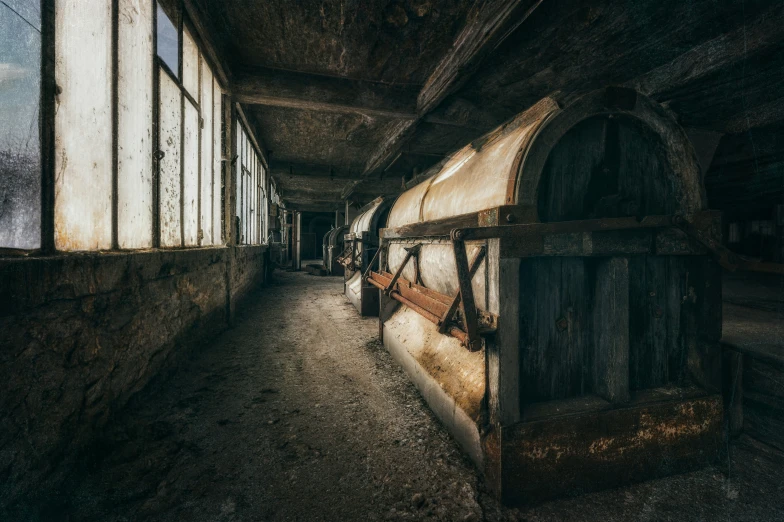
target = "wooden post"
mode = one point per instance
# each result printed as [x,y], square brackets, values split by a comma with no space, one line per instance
[503,352]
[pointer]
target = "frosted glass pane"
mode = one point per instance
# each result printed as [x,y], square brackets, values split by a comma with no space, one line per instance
[253,202]
[20,147]
[190,189]
[206,154]
[83,126]
[217,209]
[170,114]
[190,64]
[238,174]
[134,124]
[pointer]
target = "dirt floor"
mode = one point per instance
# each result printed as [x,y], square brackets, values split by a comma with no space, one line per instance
[298,413]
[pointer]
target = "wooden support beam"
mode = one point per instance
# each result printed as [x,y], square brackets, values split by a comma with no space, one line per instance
[349,189]
[296,90]
[724,51]
[488,27]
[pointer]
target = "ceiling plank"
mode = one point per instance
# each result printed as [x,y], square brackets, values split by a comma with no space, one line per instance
[487,28]
[281,88]
[490,26]
[727,50]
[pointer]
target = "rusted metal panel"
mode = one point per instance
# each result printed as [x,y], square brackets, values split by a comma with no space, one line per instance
[134,124]
[83,125]
[578,453]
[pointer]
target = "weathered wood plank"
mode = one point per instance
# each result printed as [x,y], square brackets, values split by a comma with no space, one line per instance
[440,227]
[554,329]
[490,25]
[611,326]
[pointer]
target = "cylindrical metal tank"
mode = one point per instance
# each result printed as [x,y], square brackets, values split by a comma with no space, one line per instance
[333,247]
[552,279]
[360,247]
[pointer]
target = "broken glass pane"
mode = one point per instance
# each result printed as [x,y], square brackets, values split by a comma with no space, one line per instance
[20,150]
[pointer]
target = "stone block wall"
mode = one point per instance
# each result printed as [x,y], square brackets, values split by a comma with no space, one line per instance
[81,333]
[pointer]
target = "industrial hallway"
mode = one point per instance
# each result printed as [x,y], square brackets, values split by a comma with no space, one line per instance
[298,413]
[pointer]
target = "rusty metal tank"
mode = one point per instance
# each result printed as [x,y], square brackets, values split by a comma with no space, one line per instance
[360,248]
[551,290]
[333,247]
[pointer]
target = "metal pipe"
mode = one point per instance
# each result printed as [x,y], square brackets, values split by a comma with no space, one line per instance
[454,331]
[433,318]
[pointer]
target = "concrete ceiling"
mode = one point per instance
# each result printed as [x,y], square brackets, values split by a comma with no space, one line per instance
[342,91]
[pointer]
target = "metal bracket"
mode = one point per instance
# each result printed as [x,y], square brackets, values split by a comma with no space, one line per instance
[467,307]
[373,260]
[443,324]
[410,252]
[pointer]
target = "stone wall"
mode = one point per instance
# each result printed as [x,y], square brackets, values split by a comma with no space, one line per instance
[81,333]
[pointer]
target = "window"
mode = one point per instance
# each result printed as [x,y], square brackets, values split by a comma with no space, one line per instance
[20,148]
[111,173]
[251,191]
[137,154]
[134,124]
[83,159]
[189,144]
[168,40]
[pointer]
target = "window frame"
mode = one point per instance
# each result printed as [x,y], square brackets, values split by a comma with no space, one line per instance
[250,206]
[47,96]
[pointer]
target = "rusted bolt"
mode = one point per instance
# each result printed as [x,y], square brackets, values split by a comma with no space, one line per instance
[458,234]
[510,218]
[562,323]
[58,90]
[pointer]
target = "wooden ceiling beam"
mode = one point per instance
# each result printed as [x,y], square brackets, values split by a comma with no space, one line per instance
[304,91]
[487,28]
[681,75]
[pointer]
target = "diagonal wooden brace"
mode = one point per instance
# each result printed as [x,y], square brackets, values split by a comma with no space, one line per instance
[467,306]
[443,324]
[410,252]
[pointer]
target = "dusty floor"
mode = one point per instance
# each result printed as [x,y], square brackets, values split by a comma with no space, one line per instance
[299,414]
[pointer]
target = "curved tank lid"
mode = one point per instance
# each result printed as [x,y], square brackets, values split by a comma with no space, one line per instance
[477,177]
[362,222]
